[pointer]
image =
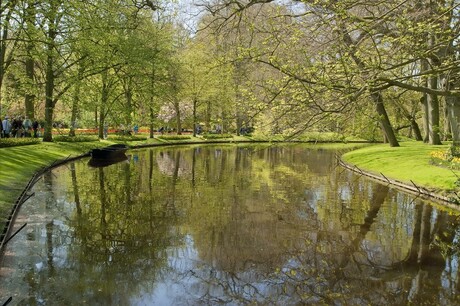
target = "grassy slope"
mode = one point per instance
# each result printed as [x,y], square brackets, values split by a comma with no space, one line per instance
[409,162]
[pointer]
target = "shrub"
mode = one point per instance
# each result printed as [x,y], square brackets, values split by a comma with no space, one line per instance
[79,138]
[174,137]
[127,138]
[217,136]
[449,159]
[14,142]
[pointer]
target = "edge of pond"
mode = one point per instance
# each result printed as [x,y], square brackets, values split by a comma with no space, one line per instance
[7,234]
[419,191]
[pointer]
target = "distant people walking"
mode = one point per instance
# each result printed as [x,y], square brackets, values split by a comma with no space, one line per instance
[27,124]
[6,126]
[35,127]
[17,128]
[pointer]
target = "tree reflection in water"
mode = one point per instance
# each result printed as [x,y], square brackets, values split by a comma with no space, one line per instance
[229,225]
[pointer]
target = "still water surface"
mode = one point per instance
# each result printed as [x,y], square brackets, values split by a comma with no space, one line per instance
[235,225]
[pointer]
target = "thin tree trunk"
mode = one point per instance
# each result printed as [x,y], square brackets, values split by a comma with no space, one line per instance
[423,101]
[384,120]
[30,64]
[29,97]
[195,124]
[75,104]
[49,90]
[152,117]
[178,120]
[49,83]
[104,102]
[433,114]
[453,110]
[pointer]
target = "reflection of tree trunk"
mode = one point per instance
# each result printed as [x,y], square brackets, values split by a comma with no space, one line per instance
[237,160]
[48,180]
[128,191]
[378,197]
[172,202]
[103,203]
[176,167]
[413,252]
[420,252]
[49,243]
[193,166]
[223,163]
[425,231]
[75,189]
[151,190]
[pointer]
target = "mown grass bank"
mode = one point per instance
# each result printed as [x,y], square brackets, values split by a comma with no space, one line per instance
[409,162]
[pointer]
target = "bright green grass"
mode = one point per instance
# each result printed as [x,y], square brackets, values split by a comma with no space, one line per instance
[409,162]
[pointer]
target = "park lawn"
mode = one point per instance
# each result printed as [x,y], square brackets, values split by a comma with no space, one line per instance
[409,162]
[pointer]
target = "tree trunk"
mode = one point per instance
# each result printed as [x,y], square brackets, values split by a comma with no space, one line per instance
[416,129]
[453,110]
[447,125]
[207,121]
[152,117]
[384,120]
[178,120]
[152,98]
[49,90]
[104,103]
[195,124]
[29,97]
[29,63]
[423,101]
[433,113]
[49,82]
[73,116]
[129,103]
[4,63]
[75,104]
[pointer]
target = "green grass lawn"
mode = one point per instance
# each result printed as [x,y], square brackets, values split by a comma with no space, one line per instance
[409,162]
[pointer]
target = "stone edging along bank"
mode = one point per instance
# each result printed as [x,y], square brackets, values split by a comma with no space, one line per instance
[413,189]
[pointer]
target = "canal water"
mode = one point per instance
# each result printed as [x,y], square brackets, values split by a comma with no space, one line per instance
[228,225]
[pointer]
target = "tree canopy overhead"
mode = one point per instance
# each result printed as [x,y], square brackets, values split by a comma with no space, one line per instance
[372,69]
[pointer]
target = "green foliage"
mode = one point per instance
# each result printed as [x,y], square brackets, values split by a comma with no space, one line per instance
[78,138]
[449,158]
[217,136]
[321,137]
[174,137]
[127,138]
[14,142]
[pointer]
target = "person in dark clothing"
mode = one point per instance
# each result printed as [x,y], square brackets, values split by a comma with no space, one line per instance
[35,126]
